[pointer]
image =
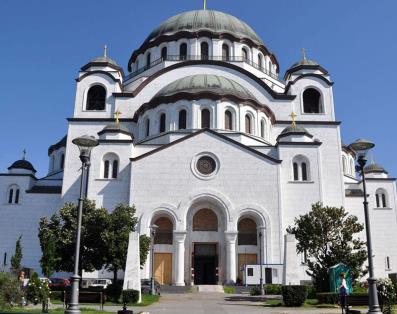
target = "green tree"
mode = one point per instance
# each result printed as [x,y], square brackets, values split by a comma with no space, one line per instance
[48,259]
[144,246]
[121,222]
[328,236]
[38,291]
[62,228]
[17,257]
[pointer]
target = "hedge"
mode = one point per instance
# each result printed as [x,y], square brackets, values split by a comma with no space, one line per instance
[271,289]
[332,297]
[130,296]
[294,295]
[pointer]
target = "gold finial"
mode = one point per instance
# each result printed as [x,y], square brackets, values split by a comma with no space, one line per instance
[304,54]
[117,115]
[105,51]
[24,154]
[293,116]
[205,4]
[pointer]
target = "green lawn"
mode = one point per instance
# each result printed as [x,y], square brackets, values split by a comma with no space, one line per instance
[53,311]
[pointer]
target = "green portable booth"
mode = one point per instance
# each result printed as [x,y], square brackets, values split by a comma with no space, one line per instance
[334,279]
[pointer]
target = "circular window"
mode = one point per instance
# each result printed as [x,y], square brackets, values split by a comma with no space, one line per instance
[206,165]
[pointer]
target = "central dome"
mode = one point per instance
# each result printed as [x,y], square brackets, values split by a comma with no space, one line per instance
[206,83]
[199,20]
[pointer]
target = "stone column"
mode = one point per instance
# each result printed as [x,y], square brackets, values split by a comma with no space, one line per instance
[231,274]
[179,245]
[262,246]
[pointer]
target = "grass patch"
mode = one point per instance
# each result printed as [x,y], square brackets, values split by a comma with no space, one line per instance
[147,299]
[273,303]
[229,290]
[51,311]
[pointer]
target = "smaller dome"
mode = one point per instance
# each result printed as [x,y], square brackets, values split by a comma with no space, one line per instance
[374,168]
[114,127]
[22,164]
[206,83]
[294,129]
[304,62]
[103,59]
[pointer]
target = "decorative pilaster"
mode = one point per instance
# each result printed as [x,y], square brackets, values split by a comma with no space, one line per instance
[231,273]
[179,245]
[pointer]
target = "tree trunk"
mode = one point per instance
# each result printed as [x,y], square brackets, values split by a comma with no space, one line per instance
[115,276]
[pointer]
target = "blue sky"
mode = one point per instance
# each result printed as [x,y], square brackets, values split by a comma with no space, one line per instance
[44,43]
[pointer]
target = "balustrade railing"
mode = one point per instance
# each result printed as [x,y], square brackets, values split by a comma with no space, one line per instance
[182,58]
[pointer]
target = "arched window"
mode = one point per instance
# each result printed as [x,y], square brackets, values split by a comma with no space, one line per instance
[205,220]
[270,67]
[247,233]
[164,53]
[147,127]
[62,161]
[182,120]
[164,232]
[13,194]
[244,53]
[228,120]
[248,124]
[148,57]
[260,61]
[204,50]
[183,51]
[162,123]
[353,168]
[205,118]
[301,170]
[225,52]
[96,98]
[263,128]
[311,101]
[115,169]
[110,166]
[381,198]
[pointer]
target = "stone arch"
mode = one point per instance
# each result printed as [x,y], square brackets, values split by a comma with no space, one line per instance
[166,210]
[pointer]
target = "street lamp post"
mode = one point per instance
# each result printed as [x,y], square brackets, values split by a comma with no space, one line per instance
[361,147]
[153,229]
[260,264]
[85,144]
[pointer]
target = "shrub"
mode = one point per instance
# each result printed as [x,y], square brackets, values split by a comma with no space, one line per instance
[56,295]
[273,289]
[10,292]
[113,291]
[311,292]
[38,292]
[229,290]
[255,290]
[294,295]
[386,292]
[130,296]
[327,297]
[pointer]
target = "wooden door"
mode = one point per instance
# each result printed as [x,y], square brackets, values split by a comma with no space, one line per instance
[163,268]
[245,259]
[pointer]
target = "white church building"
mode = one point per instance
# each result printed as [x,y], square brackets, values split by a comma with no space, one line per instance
[212,144]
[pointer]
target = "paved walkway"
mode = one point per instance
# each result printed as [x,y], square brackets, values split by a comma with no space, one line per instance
[217,303]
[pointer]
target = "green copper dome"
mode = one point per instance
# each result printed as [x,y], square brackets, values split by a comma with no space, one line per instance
[374,167]
[206,83]
[213,21]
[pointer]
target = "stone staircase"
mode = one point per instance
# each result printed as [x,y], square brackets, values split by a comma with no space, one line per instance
[210,288]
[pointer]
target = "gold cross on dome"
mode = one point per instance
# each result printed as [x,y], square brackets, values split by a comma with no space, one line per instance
[105,51]
[304,54]
[293,116]
[24,154]
[117,115]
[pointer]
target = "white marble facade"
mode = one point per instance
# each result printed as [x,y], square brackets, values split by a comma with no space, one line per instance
[204,148]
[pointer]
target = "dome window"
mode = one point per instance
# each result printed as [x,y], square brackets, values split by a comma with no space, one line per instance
[148,57]
[110,166]
[205,118]
[381,198]
[228,120]
[13,194]
[62,161]
[248,124]
[96,98]
[162,123]
[204,51]
[225,52]
[183,51]
[147,127]
[260,61]
[311,101]
[300,166]
[164,53]
[244,53]
[263,128]
[182,120]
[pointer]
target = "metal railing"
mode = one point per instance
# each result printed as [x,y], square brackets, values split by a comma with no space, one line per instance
[182,58]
